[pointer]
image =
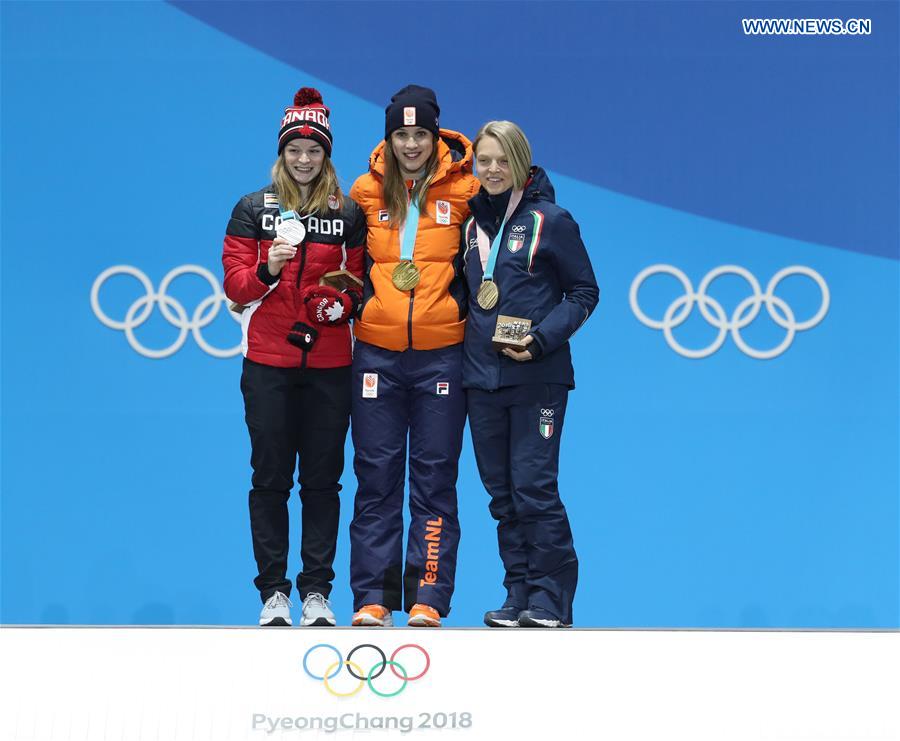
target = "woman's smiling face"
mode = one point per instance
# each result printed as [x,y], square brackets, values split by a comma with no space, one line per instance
[303,159]
[492,166]
[412,146]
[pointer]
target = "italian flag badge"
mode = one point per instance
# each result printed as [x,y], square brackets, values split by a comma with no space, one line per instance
[546,428]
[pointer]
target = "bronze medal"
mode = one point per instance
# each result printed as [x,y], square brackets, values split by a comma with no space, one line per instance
[405,276]
[488,295]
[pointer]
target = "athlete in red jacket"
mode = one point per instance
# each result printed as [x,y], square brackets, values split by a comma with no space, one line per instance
[293,261]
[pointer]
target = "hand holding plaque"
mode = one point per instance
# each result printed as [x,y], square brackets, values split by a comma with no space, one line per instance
[511,332]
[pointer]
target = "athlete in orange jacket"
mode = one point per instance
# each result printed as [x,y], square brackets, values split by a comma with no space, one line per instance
[407,364]
[433,314]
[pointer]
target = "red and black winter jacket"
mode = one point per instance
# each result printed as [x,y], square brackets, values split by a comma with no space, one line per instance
[335,239]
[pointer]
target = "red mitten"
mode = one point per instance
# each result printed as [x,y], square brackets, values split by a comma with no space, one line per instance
[327,306]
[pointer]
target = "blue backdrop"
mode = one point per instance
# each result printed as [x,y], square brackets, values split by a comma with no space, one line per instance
[723,490]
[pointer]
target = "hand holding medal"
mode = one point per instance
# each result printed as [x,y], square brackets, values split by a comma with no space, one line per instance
[290,229]
[289,232]
[279,253]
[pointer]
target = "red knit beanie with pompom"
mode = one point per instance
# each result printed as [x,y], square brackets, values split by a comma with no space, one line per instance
[306,119]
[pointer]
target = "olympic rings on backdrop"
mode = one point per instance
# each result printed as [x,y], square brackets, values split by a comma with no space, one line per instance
[395,692]
[424,653]
[327,674]
[336,665]
[745,312]
[367,645]
[365,677]
[172,310]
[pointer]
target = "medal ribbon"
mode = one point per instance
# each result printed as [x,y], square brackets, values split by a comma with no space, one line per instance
[408,231]
[488,254]
[285,215]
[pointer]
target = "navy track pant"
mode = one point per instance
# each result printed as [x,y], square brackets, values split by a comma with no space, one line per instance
[516,434]
[291,413]
[414,393]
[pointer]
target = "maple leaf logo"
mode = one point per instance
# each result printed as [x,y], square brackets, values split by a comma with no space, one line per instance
[334,312]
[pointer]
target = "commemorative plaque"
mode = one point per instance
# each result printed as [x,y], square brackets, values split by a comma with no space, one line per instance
[511,332]
[341,280]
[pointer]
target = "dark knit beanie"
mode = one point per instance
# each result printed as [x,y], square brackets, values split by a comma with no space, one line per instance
[413,105]
[306,119]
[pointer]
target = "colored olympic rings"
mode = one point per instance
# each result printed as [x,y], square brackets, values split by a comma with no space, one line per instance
[356,671]
[367,645]
[424,653]
[336,665]
[388,694]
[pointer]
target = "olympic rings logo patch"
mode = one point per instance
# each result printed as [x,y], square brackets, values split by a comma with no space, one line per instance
[172,310]
[745,312]
[325,668]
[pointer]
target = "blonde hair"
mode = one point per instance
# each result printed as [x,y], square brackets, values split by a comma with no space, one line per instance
[514,144]
[325,185]
[396,196]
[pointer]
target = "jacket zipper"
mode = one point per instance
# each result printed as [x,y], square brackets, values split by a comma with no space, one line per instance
[412,295]
[497,224]
[303,353]
[412,291]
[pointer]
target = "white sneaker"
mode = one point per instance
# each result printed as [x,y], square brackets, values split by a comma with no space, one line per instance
[317,611]
[276,611]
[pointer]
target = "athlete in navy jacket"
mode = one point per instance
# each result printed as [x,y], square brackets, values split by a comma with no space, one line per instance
[523,258]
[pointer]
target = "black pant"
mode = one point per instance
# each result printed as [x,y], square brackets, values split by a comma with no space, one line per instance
[293,412]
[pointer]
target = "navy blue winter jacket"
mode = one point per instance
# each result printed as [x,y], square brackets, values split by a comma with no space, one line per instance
[543,273]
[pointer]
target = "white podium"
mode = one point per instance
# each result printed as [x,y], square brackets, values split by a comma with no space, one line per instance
[195,683]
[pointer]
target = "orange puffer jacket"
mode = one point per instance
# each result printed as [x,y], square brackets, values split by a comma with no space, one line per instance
[433,314]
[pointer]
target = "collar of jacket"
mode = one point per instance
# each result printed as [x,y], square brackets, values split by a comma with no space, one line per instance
[454,156]
[538,188]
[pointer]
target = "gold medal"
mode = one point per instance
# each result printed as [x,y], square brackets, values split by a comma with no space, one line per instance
[405,276]
[488,295]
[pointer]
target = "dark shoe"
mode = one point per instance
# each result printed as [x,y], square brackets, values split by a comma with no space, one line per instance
[505,617]
[536,617]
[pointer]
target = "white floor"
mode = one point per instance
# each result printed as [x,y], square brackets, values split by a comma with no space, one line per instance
[168,684]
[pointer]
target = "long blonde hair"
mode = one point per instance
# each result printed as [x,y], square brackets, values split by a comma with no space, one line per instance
[325,185]
[395,193]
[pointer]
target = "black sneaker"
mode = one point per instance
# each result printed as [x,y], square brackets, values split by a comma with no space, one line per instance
[505,617]
[537,617]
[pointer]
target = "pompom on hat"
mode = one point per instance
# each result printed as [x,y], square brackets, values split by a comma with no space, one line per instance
[306,119]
